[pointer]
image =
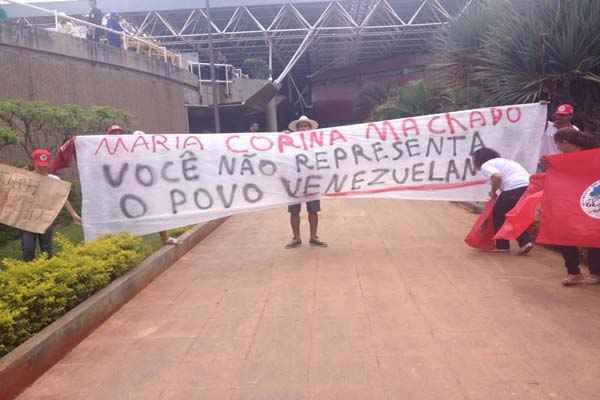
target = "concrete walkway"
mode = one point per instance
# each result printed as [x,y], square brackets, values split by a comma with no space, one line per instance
[396,308]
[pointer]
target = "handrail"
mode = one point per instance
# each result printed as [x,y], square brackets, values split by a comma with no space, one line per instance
[126,38]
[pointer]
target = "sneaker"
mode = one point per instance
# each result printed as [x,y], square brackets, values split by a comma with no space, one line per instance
[525,249]
[172,241]
[572,280]
[592,279]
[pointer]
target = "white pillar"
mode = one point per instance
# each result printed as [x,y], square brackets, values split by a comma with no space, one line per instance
[271,115]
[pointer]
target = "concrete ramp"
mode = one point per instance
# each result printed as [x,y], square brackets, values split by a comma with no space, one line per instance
[396,308]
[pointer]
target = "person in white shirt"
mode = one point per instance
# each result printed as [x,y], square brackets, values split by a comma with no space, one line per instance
[511,179]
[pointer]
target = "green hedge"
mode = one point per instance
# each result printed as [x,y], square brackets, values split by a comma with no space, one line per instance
[34,294]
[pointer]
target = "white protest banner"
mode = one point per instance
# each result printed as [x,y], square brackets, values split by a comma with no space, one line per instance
[147,183]
[30,201]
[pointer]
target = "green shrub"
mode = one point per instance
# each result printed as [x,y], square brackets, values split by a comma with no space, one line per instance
[34,294]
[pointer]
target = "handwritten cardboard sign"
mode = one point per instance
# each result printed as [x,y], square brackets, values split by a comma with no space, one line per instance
[30,201]
[147,183]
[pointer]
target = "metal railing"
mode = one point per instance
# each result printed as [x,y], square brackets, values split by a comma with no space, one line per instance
[66,24]
[225,73]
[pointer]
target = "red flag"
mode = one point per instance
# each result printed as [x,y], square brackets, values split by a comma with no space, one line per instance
[571,203]
[64,156]
[523,214]
[481,235]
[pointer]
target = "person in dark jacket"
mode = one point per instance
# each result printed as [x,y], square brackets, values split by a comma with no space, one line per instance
[114,23]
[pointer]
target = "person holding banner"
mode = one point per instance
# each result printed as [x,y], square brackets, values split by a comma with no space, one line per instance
[164,235]
[562,119]
[66,154]
[512,180]
[570,140]
[41,163]
[312,207]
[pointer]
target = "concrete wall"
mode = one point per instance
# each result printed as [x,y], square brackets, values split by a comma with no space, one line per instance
[60,69]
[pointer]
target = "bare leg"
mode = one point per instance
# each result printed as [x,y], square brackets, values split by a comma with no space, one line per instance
[166,239]
[313,221]
[164,236]
[295,224]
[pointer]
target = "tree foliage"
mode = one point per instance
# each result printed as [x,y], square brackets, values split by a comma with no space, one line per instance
[391,101]
[517,51]
[37,124]
[256,68]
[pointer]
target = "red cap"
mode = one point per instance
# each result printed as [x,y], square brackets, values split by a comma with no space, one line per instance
[41,157]
[564,109]
[115,130]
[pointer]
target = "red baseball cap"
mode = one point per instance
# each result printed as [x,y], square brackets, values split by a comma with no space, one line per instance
[115,130]
[564,109]
[41,157]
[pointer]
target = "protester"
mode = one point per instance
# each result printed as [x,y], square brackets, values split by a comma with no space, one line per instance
[562,119]
[41,163]
[570,140]
[164,235]
[66,154]
[95,17]
[512,180]
[312,207]
[114,23]
[254,127]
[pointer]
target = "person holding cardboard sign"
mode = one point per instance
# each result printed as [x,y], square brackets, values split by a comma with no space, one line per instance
[41,163]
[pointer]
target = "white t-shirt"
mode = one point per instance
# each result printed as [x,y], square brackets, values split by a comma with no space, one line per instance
[513,175]
[549,146]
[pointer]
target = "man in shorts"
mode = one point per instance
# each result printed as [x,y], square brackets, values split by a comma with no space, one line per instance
[312,207]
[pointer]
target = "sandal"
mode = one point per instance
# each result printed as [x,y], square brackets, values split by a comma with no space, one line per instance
[316,242]
[293,244]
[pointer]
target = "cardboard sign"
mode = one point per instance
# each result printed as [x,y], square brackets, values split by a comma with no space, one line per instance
[30,201]
[148,183]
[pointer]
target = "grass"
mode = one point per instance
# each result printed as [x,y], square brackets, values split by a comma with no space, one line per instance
[74,233]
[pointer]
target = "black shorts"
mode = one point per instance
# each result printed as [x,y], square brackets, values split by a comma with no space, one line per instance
[311,206]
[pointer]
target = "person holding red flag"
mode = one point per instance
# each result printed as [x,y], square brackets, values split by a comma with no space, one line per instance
[512,180]
[66,153]
[571,141]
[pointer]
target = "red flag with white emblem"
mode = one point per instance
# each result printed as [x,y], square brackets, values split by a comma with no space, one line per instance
[571,202]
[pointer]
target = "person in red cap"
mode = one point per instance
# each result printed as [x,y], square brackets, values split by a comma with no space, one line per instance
[66,153]
[562,119]
[115,130]
[41,163]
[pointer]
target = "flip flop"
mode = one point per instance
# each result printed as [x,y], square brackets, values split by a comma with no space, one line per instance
[293,244]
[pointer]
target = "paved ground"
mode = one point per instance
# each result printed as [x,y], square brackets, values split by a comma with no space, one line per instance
[396,308]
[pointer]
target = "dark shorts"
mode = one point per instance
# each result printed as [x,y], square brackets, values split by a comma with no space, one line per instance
[311,206]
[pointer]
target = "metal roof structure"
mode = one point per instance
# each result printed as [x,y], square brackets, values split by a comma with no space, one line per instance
[301,37]
[331,33]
